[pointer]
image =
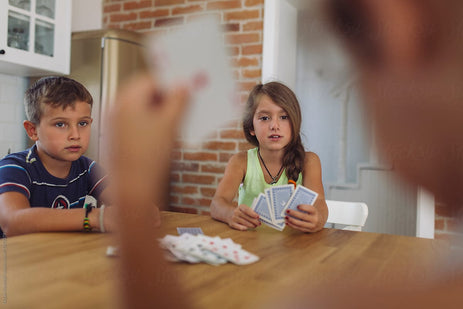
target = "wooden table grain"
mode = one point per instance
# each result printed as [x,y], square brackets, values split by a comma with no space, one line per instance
[71,270]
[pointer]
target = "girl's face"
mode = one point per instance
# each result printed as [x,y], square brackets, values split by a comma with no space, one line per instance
[272,126]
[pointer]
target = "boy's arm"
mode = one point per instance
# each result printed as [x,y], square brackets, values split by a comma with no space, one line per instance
[223,208]
[17,217]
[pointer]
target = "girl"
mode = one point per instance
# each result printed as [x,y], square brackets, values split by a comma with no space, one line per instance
[272,122]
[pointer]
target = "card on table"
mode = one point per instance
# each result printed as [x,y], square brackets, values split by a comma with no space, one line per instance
[189,230]
[202,248]
[195,54]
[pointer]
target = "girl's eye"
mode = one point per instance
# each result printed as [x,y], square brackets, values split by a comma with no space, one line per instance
[284,117]
[264,118]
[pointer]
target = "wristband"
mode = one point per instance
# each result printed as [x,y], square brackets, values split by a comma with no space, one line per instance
[102,229]
[87,226]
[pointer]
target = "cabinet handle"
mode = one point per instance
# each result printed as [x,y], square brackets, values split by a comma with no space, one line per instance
[2,51]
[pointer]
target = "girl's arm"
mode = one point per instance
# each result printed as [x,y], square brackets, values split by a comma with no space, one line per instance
[223,208]
[17,217]
[310,218]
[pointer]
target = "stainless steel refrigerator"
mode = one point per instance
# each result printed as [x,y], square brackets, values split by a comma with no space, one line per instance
[101,60]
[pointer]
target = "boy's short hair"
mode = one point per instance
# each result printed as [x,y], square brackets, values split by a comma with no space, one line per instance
[56,91]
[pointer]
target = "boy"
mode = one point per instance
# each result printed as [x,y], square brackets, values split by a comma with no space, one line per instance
[43,189]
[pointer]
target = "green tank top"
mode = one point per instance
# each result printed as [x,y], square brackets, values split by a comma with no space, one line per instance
[254,182]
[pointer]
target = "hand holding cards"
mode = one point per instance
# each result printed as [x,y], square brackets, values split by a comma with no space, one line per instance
[272,205]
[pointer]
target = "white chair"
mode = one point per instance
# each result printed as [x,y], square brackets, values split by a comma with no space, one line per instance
[352,215]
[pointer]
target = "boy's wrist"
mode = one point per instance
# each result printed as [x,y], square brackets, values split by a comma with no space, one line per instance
[93,218]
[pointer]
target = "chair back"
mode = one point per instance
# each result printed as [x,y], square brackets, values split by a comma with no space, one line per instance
[351,214]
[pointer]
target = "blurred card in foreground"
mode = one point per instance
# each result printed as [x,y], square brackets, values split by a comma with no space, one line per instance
[195,54]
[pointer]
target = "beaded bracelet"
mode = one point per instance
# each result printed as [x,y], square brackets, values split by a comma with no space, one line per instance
[87,226]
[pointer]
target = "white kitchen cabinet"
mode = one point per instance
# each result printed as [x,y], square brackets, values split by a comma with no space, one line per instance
[35,37]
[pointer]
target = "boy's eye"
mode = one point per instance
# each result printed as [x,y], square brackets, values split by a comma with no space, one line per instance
[83,123]
[59,124]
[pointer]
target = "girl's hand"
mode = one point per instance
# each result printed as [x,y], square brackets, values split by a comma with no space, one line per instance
[306,219]
[244,218]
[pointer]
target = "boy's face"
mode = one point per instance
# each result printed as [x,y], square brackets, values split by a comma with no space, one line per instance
[62,134]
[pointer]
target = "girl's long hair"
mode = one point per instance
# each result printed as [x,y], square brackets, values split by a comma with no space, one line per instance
[281,95]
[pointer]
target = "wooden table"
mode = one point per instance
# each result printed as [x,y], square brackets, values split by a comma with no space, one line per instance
[71,270]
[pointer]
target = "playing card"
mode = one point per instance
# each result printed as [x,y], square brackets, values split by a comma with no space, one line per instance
[301,195]
[202,248]
[280,196]
[195,54]
[189,230]
[230,251]
[260,206]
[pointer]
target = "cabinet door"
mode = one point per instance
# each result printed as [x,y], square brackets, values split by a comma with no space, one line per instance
[35,37]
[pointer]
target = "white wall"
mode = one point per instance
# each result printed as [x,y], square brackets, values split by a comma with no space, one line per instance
[87,15]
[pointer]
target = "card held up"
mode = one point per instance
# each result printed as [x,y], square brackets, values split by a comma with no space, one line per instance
[194,54]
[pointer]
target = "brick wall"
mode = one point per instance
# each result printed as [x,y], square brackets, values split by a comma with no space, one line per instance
[197,171]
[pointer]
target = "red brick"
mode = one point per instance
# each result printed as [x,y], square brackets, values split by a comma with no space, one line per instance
[174,177]
[200,156]
[138,26]
[196,201]
[219,145]
[110,8]
[207,192]
[439,224]
[252,49]
[213,168]
[252,73]
[233,134]
[155,13]
[253,2]
[223,5]
[134,5]
[176,155]
[184,189]
[122,17]
[186,9]
[242,38]
[245,62]
[253,25]
[171,21]
[167,2]
[242,15]
[225,157]
[185,166]
[233,51]
[233,27]
[198,179]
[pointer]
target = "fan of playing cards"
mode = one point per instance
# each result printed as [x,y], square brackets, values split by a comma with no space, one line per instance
[272,205]
[201,248]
